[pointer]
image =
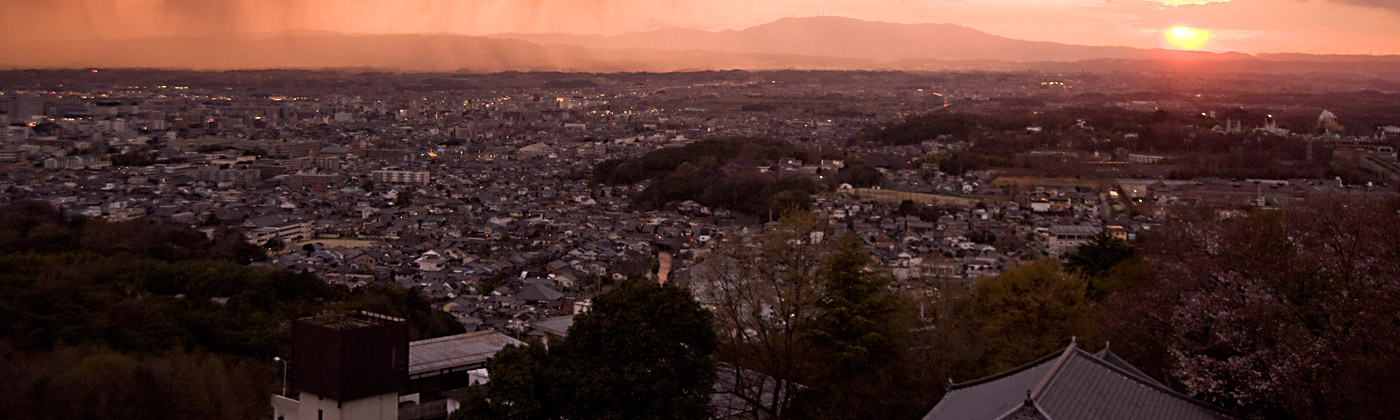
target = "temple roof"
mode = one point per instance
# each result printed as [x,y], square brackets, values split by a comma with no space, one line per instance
[1068,385]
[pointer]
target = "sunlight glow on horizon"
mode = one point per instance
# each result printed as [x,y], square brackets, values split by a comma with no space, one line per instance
[1249,26]
[1187,38]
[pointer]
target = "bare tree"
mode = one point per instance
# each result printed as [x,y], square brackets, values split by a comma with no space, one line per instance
[761,289]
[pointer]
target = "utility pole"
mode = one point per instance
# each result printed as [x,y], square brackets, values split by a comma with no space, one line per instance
[284,374]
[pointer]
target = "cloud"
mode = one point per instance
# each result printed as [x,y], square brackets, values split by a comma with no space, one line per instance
[1391,5]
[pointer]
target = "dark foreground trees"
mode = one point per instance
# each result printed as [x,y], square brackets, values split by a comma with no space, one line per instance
[138,320]
[1282,314]
[811,324]
[642,353]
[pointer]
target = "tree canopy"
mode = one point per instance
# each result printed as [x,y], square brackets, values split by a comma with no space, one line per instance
[643,352]
[1282,314]
[698,172]
[138,320]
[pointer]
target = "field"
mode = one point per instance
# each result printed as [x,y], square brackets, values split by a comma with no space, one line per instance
[1033,181]
[896,197]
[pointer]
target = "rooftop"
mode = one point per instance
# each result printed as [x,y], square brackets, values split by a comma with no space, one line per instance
[1070,384]
[455,352]
[350,320]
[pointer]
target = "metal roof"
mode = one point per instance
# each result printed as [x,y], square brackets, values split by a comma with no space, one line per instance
[558,326]
[1075,230]
[455,352]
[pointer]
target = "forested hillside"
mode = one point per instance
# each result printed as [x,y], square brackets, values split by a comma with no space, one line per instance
[137,320]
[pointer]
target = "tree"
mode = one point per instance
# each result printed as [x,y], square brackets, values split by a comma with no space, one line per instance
[1280,314]
[861,338]
[404,198]
[859,174]
[791,201]
[526,384]
[1095,257]
[1110,265]
[119,320]
[397,301]
[274,245]
[855,308]
[643,352]
[1029,311]
[982,237]
[760,293]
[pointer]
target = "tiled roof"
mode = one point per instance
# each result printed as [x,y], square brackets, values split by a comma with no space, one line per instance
[1070,385]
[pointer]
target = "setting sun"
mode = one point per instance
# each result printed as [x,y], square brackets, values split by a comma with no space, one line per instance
[1187,38]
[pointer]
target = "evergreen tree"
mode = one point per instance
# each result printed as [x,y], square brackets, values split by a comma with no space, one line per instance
[642,353]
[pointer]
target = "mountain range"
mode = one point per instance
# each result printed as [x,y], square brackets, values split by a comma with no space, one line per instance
[855,39]
[821,43]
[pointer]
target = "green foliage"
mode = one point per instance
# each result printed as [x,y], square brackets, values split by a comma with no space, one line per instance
[137,320]
[1108,263]
[695,172]
[396,301]
[140,158]
[860,334]
[961,163]
[29,226]
[643,352]
[526,384]
[856,310]
[754,194]
[662,162]
[95,383]
[404,198]
[789,201]
[859,174]
[1029,311]
[982,237]
[918,129]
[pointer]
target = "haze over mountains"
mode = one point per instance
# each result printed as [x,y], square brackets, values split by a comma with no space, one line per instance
[825,43]
[856,39]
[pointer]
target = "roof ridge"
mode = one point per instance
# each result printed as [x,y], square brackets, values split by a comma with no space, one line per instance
[1012,371]
[449,337]
[1152,383]
[1027,403]
[1113,359]
[1054,370]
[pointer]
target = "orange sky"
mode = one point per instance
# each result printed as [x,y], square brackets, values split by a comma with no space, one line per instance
[1311,26]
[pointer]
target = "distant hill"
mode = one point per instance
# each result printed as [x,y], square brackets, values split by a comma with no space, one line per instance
[824,43]
[857,39]
[423,53]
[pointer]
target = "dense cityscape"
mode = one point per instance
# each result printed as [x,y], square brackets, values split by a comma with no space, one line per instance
[504,204]
[616,210]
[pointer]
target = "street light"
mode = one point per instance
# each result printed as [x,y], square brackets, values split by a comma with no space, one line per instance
[284,374]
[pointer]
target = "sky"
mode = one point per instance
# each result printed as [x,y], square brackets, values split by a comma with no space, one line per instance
[1251,26]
